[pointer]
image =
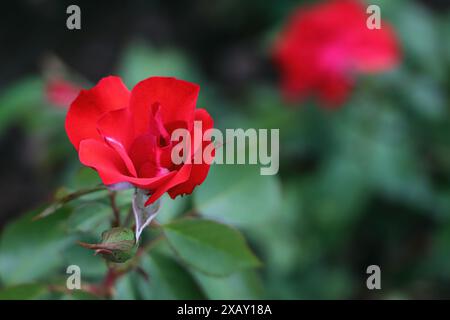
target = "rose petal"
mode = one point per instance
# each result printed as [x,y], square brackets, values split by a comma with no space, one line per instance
[116,128]
[81,121]
[198,171]
[181,176]
[110,167]
[177,99]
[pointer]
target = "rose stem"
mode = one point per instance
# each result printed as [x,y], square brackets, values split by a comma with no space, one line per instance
[128,217]
[116,211]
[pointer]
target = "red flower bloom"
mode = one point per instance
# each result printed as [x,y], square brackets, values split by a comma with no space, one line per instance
[323,45]
[126,136]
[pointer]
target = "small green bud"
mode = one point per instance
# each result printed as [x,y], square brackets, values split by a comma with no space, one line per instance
[118,245]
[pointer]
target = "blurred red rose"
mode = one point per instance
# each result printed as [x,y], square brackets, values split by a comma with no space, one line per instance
[61,93]
[324,45]
[126,136]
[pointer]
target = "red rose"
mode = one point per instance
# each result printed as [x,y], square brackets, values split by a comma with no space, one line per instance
[323,45]
[126,136]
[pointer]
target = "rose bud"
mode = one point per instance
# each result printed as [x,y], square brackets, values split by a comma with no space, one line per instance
[118,245]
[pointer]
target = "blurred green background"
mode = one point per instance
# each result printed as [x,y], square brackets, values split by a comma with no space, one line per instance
[365,184]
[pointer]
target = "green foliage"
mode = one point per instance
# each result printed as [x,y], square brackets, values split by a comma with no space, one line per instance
[211,247]
[22,292]
[169,279]
[241,285]
[31,250]
[234,194]
[90,217]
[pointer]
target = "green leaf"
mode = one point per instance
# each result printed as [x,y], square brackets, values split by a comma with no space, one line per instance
[90,216]
[211,247]
[92,267]
[171,208]
[126,287]
[31,250]
[242,285]
[22,292]
[168,279]
[238,195]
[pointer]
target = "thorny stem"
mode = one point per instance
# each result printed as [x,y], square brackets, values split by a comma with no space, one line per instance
[67,198]
[82,192]
[107,286]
